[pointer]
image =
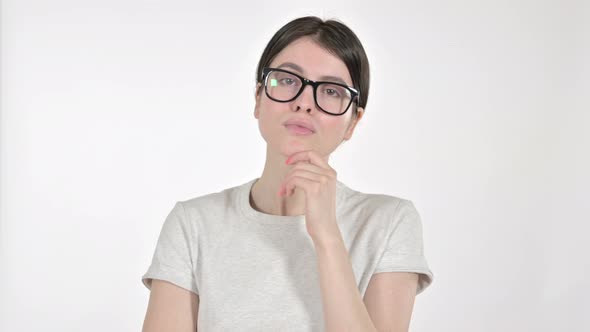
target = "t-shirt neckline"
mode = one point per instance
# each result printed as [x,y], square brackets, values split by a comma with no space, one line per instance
[249,212]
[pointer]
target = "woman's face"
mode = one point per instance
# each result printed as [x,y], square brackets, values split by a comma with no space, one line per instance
[308,59]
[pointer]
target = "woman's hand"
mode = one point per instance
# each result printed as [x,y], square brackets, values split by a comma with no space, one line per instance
[317,179]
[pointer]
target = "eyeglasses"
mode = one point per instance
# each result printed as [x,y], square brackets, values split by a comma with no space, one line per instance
[284,86]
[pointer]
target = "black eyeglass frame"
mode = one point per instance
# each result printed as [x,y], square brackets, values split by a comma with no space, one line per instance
[353,92]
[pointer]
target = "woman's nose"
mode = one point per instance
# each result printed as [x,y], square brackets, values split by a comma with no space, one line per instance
[305,100]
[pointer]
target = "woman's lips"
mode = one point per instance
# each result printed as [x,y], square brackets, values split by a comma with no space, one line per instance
[298,130]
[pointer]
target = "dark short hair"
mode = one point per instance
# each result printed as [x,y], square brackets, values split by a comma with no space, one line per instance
[333,36]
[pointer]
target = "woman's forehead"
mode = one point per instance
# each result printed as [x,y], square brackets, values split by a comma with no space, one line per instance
[304,56]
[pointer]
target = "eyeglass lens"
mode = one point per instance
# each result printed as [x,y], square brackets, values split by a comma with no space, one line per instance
[284,86]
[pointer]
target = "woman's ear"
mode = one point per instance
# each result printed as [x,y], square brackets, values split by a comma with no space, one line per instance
[353,123]
[257,90]
[257,99]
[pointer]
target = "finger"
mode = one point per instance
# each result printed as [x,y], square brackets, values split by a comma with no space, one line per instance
[310,168]
[308,186]
[287,188]
[308,171]
[310,156]
[305,174]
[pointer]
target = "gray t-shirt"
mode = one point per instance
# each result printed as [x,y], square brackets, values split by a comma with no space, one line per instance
[258,272]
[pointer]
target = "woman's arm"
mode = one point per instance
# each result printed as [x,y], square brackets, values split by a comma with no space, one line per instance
[388,301]
[171,308]
[344,309]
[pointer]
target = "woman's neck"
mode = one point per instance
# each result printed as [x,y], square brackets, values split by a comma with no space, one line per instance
[264,195]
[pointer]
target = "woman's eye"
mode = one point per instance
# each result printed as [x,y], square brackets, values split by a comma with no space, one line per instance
[288,81]
[332,92]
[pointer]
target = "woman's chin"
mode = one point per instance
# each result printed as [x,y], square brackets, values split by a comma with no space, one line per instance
[294,145]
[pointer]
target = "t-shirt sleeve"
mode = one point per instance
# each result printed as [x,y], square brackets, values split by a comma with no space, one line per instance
[404,250]
[173,258]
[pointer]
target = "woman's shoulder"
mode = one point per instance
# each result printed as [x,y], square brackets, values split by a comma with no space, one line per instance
[351,193]
[220,198]
[372,200]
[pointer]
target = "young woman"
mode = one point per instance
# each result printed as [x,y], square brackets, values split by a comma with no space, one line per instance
[294,249]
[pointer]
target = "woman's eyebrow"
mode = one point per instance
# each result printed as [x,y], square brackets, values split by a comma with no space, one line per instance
[292,66]
[300,70]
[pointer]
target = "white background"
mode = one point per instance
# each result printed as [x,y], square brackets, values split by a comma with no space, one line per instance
[113,110]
